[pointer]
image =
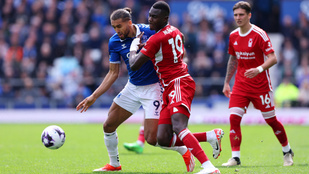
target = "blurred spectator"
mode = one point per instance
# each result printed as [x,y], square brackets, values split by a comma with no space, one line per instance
[7,94]
[205,36]
[14,55]
[3,50]
[302,72]
[286,94]
[63,47]
[303,96]
[201,65]
[29,95]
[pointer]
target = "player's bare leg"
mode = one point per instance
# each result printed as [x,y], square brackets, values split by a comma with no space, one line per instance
[116,116]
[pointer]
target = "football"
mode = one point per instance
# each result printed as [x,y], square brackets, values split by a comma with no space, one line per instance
[53,137]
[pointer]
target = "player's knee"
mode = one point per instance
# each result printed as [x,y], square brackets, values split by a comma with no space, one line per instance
[108,127]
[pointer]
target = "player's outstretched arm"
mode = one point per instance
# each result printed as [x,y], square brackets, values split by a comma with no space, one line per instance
[109,79]
[231,69]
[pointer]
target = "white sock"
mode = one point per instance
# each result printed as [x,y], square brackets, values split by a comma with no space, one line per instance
[111,143]
[210,135]
[236,154]
[286,148]
[208,164]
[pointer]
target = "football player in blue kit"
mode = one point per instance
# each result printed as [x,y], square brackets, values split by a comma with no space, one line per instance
[142,89]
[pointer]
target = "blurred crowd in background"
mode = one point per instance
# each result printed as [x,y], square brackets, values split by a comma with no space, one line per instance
[54,53]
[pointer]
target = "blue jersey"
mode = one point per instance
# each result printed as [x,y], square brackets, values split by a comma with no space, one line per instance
[121,48]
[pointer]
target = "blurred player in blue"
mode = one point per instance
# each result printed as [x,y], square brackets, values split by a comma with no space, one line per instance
[142,89]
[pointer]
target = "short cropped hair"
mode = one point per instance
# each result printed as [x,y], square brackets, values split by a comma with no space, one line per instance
[243,5]
[163,6]
[123,13]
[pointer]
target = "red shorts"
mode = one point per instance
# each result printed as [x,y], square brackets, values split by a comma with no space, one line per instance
[261,101]
[177,98]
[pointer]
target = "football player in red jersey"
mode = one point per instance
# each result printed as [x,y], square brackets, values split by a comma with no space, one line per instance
[166,50]
[251,54]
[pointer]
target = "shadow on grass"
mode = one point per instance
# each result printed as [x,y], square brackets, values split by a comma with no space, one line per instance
[242,166]
[301,165]
[143,154]
[126,173]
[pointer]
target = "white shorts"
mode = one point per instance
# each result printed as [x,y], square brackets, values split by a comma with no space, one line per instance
[132,97]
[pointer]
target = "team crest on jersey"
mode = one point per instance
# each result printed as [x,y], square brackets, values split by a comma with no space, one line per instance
[235,43]
[123,46]
[250,42]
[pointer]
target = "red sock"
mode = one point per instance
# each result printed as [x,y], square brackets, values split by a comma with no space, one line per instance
[200,136]
[235,132]
[193,145]
[278,130]
[141,137]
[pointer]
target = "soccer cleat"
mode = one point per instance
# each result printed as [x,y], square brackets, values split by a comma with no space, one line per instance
[288,158]
[209,171]
[189,161]
[216,143]
[234,161]
[107,167]
[134,147]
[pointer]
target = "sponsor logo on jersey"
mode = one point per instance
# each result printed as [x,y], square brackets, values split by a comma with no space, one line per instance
[123,46]
[245,55]
[235,43]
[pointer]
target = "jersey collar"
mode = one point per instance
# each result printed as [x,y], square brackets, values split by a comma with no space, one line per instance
[138,31]
[163,27]
[245,34]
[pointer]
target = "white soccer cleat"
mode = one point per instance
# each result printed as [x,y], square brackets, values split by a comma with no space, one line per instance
[288,158]
[209,171]
[234,161]
[216,143]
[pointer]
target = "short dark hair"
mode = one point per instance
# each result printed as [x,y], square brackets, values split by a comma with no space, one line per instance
[243,5]
[123,13]
[163,6]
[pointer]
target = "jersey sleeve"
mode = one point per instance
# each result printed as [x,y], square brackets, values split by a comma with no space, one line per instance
[151,47]
[265,44]
[231,50]
[114,56]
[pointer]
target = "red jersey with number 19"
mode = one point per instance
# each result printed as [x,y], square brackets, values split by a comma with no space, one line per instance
[166,50]
[250,50]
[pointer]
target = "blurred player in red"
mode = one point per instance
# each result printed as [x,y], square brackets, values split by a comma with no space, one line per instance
[251,54]
[166,50]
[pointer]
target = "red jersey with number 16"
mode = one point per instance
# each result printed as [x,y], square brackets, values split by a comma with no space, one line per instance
[166,50]
[250,50]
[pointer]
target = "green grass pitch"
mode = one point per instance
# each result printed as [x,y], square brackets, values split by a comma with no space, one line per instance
[21,151]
